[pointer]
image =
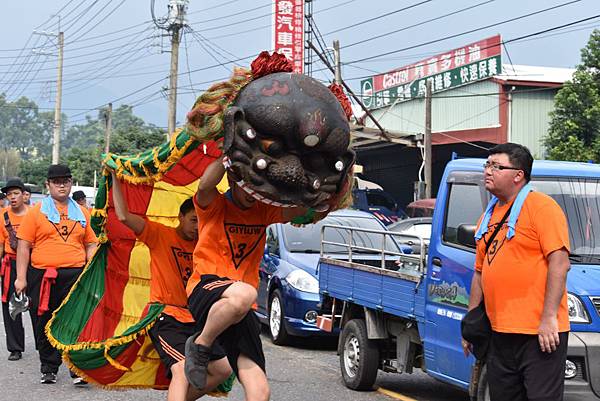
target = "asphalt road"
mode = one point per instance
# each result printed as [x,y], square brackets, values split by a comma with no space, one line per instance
[307,370]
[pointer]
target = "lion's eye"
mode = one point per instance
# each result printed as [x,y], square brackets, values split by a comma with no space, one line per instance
[250,134]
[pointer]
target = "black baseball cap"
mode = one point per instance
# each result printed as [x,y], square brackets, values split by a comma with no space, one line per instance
[77,195]
[58,171]
[13,183]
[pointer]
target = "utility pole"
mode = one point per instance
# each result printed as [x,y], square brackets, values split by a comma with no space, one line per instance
[108,127]
[173,80]
[427,140]
[174,24]
[338,64]
[57,105]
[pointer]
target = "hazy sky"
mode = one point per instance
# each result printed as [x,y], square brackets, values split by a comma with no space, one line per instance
[130,66]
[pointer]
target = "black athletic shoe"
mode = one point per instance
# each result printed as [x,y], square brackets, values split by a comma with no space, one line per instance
[196,363]
[15,356]
[48,378]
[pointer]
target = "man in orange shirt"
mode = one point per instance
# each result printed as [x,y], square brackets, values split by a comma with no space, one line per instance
[171,251]
[10,219]
[222,288]
[521,275]
[55,242]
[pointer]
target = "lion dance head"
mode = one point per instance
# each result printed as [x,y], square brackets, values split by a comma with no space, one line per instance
[286,136]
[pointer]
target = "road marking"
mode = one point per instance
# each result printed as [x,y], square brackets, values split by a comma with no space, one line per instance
[393,394]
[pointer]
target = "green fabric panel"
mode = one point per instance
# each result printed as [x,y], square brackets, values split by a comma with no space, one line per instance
[227,385]
[72,316]
[87,359]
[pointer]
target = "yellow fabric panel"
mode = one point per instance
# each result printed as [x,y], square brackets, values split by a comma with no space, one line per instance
[223,186]
[166,199]
[137,291]
[144,369]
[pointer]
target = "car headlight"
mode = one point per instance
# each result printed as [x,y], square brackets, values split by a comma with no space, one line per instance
[577,312]
[301,280]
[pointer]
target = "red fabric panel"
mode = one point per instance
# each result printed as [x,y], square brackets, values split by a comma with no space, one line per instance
[108,374]
[105,318]
[192,166]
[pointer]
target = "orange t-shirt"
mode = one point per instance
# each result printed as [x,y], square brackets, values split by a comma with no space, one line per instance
[171,267]
[15,221]
[56,245]
[514,272]
[231,241]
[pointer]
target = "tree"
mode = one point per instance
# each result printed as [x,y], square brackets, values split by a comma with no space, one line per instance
[34,170]
[574,132]
[84,143]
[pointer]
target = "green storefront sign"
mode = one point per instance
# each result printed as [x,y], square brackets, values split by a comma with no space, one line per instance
[466,74]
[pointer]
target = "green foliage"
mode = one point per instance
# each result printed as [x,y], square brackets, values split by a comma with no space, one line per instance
[26,140]
[574,132]
[130,135]
[34,170]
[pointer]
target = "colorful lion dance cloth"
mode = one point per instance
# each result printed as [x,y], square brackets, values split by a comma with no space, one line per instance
[286,137]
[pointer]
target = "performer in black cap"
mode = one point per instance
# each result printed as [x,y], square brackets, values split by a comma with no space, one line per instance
[79,197]
[55,242]
[10,219]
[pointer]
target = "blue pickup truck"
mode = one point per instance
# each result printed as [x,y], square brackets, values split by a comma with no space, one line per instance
[406,314]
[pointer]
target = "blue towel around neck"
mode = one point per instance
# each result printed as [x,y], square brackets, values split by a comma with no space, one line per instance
[73,210]
[512,217]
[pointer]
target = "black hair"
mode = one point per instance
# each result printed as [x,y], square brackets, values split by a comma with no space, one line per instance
[518,155]
[186,206]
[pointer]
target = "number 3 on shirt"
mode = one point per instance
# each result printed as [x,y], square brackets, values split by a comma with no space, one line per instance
[240,250]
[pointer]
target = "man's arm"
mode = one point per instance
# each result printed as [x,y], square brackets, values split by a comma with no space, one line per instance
[476,294]
[89,250]
[133,221]
[23,252]
[207,187]
[475,298]
[558,266]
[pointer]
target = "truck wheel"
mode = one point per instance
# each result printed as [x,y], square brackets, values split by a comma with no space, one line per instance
[483,390]
[359,356]
[279,335]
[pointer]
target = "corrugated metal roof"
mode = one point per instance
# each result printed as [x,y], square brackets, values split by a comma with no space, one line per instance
[535,74]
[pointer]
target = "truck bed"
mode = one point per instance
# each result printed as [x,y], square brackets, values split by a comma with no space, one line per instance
[397,292]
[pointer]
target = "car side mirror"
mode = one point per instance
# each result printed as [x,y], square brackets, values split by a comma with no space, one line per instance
[466,235]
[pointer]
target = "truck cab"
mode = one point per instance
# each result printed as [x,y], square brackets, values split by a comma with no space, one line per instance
[411,318]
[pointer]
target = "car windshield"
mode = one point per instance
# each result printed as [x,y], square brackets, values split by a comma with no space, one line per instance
[308,238]
[580,200]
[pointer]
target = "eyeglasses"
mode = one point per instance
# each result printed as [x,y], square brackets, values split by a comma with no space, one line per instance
[497,167]
[60,181]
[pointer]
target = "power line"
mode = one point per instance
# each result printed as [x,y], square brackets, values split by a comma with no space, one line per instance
[378,17]
[95,52]
[418,24]
[222,17]
[99,22]
[467,32]
[77,18]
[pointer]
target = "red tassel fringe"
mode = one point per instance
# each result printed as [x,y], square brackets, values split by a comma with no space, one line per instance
[266,64]
[338,91]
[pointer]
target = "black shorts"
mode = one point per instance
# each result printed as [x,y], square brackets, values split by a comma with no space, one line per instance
[240,338]
[518,370]
[169,336]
